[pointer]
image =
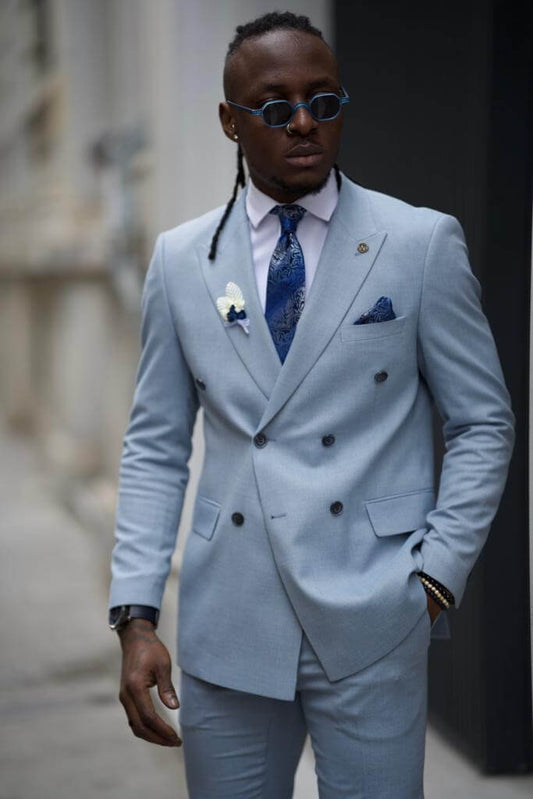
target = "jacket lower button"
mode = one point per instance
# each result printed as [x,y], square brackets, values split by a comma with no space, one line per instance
[237,518]
[328,440]
[379,377]
[336,508]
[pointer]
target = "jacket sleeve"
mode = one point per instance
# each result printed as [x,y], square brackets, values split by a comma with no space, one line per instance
[157,445]
[458,359]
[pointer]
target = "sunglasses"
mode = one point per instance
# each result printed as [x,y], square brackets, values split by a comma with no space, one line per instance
[323,107]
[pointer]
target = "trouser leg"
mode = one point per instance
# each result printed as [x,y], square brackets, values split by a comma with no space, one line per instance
[237,744]
[368,729]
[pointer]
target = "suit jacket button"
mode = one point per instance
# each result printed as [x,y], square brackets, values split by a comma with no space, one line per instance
[336,508]
[379,377]
[200,383]
[237,518]
[260,440]
[328,440]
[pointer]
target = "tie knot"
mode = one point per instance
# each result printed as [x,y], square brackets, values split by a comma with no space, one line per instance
[289,216]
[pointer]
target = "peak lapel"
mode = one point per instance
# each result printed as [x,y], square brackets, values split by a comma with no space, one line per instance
[234,263]
[341,272]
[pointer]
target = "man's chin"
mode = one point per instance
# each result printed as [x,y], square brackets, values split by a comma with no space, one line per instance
[301,187]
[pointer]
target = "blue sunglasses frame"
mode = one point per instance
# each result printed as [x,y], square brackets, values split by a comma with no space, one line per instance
[260,111]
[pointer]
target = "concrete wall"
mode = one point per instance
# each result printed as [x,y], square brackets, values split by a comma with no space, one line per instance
[112,139]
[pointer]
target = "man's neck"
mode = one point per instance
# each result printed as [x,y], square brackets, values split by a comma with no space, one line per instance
[321,204]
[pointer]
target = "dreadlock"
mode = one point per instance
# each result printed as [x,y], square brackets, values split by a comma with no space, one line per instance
[240,180]
[257,27]
[338,177]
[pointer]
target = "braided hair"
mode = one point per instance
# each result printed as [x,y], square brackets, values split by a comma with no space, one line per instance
[269,22]
[240,180]
[257,27]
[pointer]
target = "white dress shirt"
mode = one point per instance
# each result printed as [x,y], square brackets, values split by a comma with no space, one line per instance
[265,229]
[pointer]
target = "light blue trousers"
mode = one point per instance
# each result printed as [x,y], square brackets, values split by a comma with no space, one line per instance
[367,730]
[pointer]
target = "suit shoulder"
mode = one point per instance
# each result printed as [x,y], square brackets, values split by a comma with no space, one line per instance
[190,234]
[392,211]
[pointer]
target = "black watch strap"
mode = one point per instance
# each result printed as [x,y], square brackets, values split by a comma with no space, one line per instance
[120,615]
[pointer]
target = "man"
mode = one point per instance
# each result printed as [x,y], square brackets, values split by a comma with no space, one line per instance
[315,322]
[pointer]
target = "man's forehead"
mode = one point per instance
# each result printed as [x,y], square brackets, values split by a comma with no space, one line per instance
[277,57]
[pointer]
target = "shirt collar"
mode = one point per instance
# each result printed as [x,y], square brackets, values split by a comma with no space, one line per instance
[321,205]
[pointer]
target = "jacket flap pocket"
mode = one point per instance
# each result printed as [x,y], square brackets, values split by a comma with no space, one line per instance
[206,512]
[372,330]
[400,513]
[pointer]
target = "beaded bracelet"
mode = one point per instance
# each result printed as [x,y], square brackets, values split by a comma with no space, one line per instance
[439,586]
[435,593]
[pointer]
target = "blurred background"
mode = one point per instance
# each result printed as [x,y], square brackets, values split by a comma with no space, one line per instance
[109,134]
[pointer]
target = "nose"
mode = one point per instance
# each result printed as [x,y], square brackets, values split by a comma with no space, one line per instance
[302,121]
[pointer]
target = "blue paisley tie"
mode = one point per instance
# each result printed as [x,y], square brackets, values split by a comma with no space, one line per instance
[286,280]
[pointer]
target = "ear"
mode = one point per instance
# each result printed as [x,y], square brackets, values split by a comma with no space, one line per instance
[228,122]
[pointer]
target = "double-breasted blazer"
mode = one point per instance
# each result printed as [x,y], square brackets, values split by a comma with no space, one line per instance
[317,501]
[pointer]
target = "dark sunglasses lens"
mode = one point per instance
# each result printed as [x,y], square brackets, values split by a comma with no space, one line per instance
[277,113]
[325,107]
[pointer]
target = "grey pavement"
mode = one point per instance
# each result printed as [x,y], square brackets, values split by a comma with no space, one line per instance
[63,732]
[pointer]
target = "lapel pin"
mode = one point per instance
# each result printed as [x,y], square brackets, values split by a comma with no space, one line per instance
[231,307]
[363,247]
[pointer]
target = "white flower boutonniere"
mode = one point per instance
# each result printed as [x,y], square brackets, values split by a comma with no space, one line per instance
[231,307]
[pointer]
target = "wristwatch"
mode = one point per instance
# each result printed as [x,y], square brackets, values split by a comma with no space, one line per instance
[120,615]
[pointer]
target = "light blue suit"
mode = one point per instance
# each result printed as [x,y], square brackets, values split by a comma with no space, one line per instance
[349,578]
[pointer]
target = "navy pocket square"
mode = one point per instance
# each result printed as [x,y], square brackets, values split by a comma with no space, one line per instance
[381,311]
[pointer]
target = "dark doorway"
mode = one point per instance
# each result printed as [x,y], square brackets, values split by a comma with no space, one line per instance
[441,116]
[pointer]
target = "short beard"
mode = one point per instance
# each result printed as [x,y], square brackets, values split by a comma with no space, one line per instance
[300,189]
